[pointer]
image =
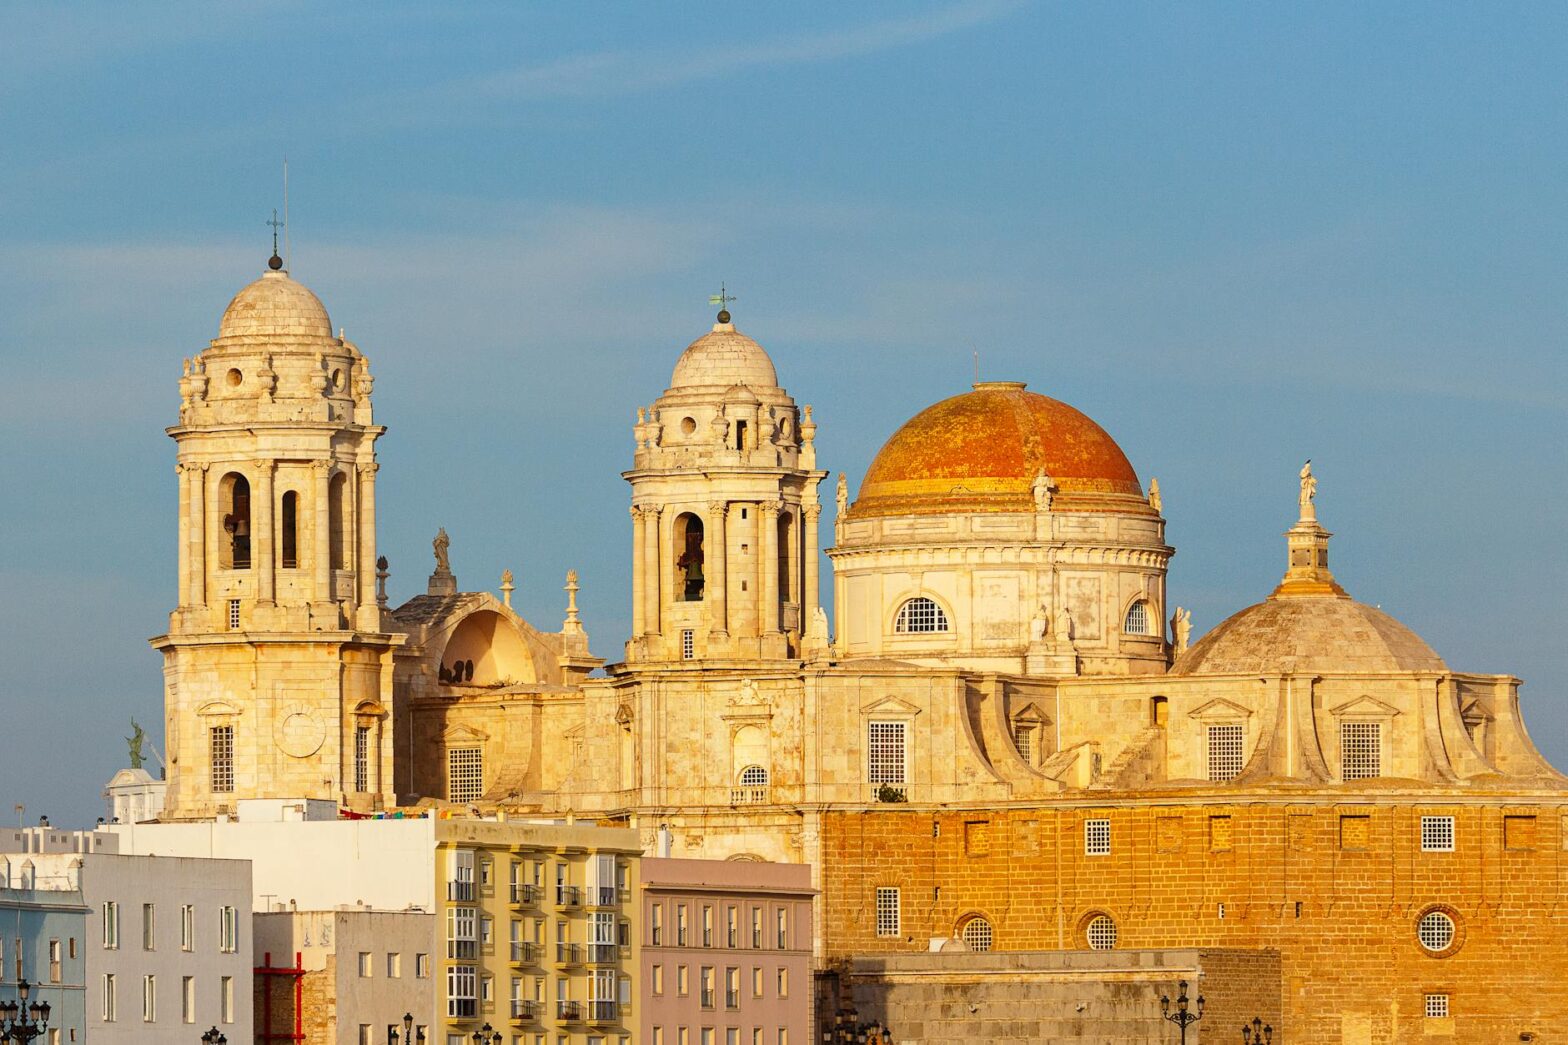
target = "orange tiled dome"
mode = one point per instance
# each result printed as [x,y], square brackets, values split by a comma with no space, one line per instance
[981,451]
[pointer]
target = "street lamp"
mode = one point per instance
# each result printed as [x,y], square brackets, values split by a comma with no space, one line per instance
[485,1036]
[1182,1017]
[15,1024]
[408,1032]
[1257,1033]
[214,1037]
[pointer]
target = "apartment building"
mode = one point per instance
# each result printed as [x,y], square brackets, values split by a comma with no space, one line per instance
[43,936]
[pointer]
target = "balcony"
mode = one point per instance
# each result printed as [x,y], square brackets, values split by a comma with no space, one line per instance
[602,896]
[568,954]
[707,997]
[525,953]
[460,891]
[568,896]
[603,1012]
[748,796]
[525,895]
[569,1011]
[603,953]
[525,1011]
[732,999]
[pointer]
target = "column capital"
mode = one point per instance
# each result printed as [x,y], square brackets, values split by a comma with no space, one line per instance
[770,507]
[369,469]
[718,509]
[812,511]
[321,468]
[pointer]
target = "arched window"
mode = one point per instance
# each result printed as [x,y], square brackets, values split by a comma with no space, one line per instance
[337,519]
[786,556]
[1138,619]
[289,531]
[234,503]
[753,776]
[920,614]
[689,581]
[1100,933]
[977,934]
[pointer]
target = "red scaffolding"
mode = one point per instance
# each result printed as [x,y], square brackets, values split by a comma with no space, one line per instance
[266,976]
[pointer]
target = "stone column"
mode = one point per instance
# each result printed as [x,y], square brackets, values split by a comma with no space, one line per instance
[717,552]
[809,557]
[652,552]
[323,546]
[263,560]
[639,624]
[365,578]
[183,474]
[670,589]
[197,524]
[768,565]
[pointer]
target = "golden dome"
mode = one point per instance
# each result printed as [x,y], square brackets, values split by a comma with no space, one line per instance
[1331,634]
[981,452]
[275,306]
[724,357]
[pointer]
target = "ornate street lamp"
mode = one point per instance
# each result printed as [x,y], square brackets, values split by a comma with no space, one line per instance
[1182,1017]
[20,1022]
[409,1034]
[1257,1033]
[485,1036]
[214,1037]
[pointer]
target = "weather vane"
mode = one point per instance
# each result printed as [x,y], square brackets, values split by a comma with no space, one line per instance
[276,225]
[722,299]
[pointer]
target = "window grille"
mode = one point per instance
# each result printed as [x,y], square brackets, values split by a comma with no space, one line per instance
[1225,751]
[1137,622]
[1096,838]
[753,776]
[1435,930]
[688,644]
[465,774]
[977,934]
[234,614]
[1437,1005]
[1360,750]
[885,749]
[362,758]
[1101,933]
[888,920]
[222,740]
[1023,738]
[1437,834]
[920,615]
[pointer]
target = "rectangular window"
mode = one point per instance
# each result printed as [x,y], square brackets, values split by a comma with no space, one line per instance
[228,930]
[885,751]
[149,999]
[109,999]
[394,965]
[221,741]
[364,965]
[1096,838]
[681,928]
[756,927]
[149,926]
[111,926]
[708,984]
[1360,750]
[1023,739]
[888,920]
[422,966]
[462,985]
[234,614]
[187,927]
[462,932]
[1437,834]
[364,1034]
[682,980]
[362,758]
[656,925]
[1225,744]
[707,925]
[732,926]
[783,982]
[688,644]
[188,999]
[781,925]
[1436,1005]
[465,774]
[756,981]
[54,961]
[658,979]
[226,997]
[732,988]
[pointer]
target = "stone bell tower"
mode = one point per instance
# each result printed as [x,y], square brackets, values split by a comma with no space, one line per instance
[277,664]
[724,512]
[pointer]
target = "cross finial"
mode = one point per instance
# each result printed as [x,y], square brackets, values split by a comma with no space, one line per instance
[722,299]
[276,225]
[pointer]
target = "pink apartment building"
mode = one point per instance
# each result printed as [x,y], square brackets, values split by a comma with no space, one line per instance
[726,955]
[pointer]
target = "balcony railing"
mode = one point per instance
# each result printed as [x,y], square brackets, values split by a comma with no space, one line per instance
[525,952]
[569,1011]
[527,895]
[745,796]
[568,896]
[707,997]
[889,793]
[569,954]
[527,1011]
[603,953]
[732,999]
[462,949]
[459,890]
[603,1011]
[601,896]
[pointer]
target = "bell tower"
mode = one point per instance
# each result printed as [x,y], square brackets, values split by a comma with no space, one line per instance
[277,664]
[724,511]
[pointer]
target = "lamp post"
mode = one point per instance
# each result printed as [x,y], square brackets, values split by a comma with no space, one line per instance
[214,1037]
[409,1034]
[485,1036]
[848,1030]
[20,1022]
[1183,1017]
[1257,1033]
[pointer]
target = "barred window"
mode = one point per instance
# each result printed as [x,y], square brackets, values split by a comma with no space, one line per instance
[362,758]
[1023,738]
[1360,750]
[753,776]
[222,744]
[1435,930]
[920,615]
[1437,1005]
[1137,622]
[688,644]
[234,614]
[977,934]
[465,774]
[1225,751]
[885,750]
[1101,933]
[1437,834]
[1096,837]
[888,920]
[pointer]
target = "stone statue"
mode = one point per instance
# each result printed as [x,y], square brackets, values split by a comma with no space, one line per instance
[1037,627]
[841,495]
[1181,629]
[1309,491]
[1063,624]
[1041,488]
[1154,495]
[441,544]
[134,742]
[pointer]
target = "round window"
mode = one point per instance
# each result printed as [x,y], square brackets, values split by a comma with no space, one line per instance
[1436,931]
[977,934]
[234,377]
[688,425]
[1101,933]
[337,380]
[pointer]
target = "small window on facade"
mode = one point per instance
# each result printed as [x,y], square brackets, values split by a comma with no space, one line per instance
[1225,751]
[885,750]
[920,615]
[977,934]
[339,537]
[1023,738]
[289,531]
[221,739]
[1096,837]
[1101,933]
[889,920]
[753,776]
[465,774]
[1360,750]
[1436,1005]
[1437,834]
[234,614]
[1138,618]
[361,758]
[688,644]
[1435,930]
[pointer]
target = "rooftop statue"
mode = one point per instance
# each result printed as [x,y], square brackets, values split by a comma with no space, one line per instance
[134,742]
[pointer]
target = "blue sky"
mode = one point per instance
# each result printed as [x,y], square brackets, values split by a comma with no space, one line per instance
[1237,235]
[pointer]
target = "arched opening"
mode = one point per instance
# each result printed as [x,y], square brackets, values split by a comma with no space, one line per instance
[688,558]
[1159,712]
[234,503]
[786,524]
[977,934]
[920,614]
[1139,621]
[486,650]
[288,527]
[337,519]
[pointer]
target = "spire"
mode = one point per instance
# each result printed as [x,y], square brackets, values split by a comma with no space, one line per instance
[1306,572]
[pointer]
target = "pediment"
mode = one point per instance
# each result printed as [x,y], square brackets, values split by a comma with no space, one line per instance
[1031,711]
[459,734]
[217,707]
[1473,714]
[890,706]
[1220,708]
[370,707]
[1365,707]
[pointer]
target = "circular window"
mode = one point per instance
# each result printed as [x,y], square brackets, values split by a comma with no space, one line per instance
[234,377]
[977,934]
[337,380]
[1437,931]
[784,427]
[1101,933]
[688,425]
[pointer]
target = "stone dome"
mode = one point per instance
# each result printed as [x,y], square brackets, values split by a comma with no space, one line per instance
[981,452]
[724,357]
[1314,634]
[275,306]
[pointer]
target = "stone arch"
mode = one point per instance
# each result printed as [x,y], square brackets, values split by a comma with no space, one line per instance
[687,549]
[492,643]
[234,518]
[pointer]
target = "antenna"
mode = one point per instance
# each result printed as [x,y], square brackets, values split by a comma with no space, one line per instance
[285,214]
[977,366]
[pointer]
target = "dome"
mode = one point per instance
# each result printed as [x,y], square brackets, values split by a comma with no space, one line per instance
[275,306]
[724,356]
[981,451]
[1322,635]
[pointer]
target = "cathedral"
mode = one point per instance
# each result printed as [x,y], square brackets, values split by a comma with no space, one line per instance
[1005,739]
